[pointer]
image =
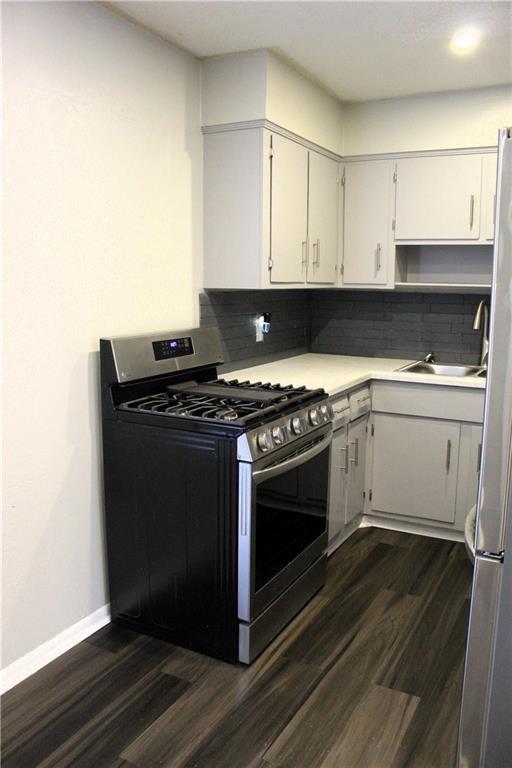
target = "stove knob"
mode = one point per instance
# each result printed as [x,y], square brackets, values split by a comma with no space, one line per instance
[314,417]
[278,435]
[297,425]
[264,441]
[326,411]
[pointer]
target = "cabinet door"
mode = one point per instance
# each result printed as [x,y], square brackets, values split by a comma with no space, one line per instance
[323,219]
[438,198]
[469,468]
[338,482]
[415,464]
[489,196]
[367,222]
[289,211]
[357,434]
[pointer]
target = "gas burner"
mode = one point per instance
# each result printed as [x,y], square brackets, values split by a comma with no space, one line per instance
[242,403]
[226,414]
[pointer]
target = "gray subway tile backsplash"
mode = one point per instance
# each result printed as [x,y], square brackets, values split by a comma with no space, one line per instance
[395,325]
[234,312]
[363,323]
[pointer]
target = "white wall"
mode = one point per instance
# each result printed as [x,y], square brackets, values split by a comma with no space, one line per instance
[433,121]
[234,88]
[258,85]
[296,103]
[102,184]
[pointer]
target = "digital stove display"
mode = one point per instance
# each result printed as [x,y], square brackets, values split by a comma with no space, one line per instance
[173,348]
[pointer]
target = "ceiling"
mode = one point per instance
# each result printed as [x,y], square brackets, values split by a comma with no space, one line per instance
[357,50]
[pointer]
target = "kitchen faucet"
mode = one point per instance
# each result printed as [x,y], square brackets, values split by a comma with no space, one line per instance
[482,309]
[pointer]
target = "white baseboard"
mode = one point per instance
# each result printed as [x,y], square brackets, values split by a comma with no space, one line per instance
[433,531]
[29,663]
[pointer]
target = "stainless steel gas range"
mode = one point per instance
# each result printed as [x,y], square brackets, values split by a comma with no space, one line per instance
[215,494]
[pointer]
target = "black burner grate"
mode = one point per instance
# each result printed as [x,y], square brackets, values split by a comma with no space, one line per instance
[220,400]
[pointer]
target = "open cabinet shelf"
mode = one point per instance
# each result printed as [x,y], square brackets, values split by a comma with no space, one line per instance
[444,268]
[444,287]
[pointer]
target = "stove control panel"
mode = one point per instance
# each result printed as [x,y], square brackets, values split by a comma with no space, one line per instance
[262,440]
[167,348]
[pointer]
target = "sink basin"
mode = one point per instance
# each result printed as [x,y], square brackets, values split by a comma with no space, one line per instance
[444,369]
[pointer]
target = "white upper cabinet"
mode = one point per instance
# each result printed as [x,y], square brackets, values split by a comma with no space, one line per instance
[438,198]
[274,216]
[367,222]
[270,212]
[490,168]
[323,219]
[289,211]
[236,195]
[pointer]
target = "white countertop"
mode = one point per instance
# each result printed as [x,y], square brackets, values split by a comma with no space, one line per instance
[339,373]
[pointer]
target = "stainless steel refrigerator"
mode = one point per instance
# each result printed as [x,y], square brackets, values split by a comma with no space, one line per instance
[485,737]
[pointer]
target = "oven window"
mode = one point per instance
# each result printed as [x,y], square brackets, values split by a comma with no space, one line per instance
[291,512]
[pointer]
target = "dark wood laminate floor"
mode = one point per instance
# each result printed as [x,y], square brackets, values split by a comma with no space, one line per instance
[369,675]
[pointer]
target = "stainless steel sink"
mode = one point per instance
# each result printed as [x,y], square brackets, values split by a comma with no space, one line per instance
[444,369]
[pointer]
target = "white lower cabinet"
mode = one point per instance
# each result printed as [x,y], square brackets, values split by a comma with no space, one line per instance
[415,466]
[347,476]
[469,468]
[356,455]
[425,449]
[338,482]
[411,464]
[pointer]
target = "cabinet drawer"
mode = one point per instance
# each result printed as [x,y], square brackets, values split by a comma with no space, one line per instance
[429,400]
[360,402]
[340,407]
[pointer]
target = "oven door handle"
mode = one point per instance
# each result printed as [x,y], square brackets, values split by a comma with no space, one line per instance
[295,461]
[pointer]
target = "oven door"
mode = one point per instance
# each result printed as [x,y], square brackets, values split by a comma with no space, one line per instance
[282,519]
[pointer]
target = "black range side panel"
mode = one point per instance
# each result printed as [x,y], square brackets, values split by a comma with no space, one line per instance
[170,501]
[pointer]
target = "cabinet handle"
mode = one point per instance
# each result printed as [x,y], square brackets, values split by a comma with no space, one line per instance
[304,254]
[344,450]
[377,258]
[479,460]
[448,455]
[355,460]
[316,253]
[471,211]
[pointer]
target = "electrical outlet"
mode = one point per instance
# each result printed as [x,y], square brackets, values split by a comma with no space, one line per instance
[258,324]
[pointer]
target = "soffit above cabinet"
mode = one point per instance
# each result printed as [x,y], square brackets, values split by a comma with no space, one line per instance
[258,86]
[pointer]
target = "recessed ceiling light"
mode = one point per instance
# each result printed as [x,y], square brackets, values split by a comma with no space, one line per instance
[464,41]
